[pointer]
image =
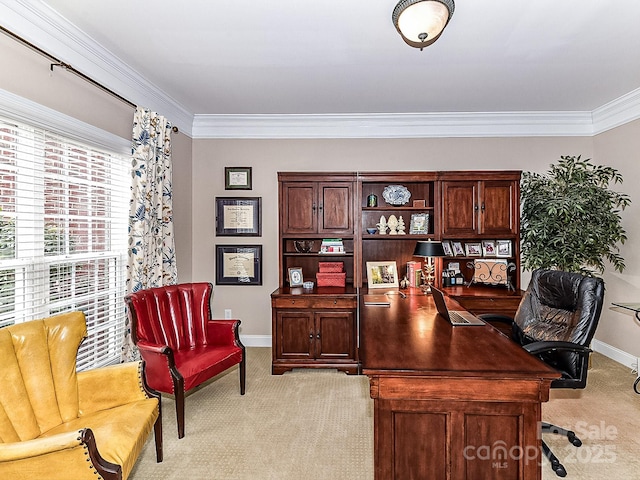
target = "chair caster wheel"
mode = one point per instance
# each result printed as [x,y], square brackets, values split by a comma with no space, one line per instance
[560,471]
[558,468]
[574,440]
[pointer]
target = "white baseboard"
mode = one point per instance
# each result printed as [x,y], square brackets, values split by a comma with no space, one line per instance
[614,353]
[256,340]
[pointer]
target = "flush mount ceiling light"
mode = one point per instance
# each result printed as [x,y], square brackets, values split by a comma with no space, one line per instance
[420,22]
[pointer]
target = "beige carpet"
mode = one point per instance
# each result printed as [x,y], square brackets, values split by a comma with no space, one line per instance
[318,425]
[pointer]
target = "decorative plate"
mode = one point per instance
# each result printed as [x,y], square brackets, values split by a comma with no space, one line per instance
[396,194]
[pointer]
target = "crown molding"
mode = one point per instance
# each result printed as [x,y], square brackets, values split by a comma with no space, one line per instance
[426,125]
[622,110]
[39,24]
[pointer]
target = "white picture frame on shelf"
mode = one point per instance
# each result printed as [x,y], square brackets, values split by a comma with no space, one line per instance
[446,246]
[473,249]
[419,224]
[503,248]
[382,275]
[488,248]
[458,250]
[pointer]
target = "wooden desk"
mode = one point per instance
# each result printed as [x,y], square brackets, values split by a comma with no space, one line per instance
[449,402]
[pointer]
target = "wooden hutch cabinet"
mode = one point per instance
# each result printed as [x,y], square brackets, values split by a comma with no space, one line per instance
[317,328]
[481,207]
[317,207]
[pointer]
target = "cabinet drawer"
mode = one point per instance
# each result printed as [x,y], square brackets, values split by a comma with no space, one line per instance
[501,305]
[314,303]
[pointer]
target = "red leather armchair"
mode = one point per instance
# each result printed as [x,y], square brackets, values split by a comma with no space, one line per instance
[180,343]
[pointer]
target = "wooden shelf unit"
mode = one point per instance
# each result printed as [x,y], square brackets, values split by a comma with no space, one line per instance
[464,206]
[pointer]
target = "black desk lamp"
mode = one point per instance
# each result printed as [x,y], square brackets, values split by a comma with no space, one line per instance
[428,250]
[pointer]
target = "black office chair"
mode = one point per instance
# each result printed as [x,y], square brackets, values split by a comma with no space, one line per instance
[556,321]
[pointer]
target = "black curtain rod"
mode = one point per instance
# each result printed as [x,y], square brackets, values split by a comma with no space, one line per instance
[56,62]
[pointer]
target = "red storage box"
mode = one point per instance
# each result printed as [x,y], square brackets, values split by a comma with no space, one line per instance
[331,279]
[330,267]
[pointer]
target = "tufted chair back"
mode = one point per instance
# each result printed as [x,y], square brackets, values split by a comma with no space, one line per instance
[38,360]
[174,315]
[561,307]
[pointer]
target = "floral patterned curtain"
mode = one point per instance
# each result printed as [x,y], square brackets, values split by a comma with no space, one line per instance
[151,240]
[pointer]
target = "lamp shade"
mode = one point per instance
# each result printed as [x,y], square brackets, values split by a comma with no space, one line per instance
[420,22]
[428,249]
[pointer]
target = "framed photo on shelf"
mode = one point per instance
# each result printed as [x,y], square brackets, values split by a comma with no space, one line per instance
[237,178]
[488,248]
[446,246]
[382,275]
[239,216]
[419,224]
[295,277]
[458,251]
[473,249]
[503,248]
[239,265]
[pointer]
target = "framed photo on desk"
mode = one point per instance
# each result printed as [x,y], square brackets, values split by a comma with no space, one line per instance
[382,275]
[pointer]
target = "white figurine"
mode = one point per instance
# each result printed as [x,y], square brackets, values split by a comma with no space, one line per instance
[382,226]
[393,224]
[401,226]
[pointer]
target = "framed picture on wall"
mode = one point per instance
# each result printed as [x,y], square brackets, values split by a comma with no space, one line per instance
[239,265]
[237,178]
[239,216]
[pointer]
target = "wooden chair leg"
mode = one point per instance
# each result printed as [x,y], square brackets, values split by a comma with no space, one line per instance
[180,411]
[243,373]
[157,433]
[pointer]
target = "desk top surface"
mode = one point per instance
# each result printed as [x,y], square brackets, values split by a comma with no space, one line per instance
[408,337]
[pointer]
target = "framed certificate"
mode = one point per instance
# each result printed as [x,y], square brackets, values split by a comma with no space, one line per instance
[237,178]
[238,216]
[238,264]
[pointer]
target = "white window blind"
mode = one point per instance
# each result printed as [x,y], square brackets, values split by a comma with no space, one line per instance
[63,235]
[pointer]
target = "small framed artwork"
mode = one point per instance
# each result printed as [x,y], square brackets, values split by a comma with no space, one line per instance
[239,265]
[295,277]
[446,246]
[503,248]
[473,249]
[419,224]
[458,251]
[382,275]
[237,178]
[488,248]
[239,216]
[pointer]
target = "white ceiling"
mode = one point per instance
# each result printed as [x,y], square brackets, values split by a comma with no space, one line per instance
[345,57]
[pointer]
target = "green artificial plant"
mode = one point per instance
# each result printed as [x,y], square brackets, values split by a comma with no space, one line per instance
[570,219]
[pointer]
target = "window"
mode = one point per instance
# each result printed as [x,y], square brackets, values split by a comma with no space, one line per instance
[63,235]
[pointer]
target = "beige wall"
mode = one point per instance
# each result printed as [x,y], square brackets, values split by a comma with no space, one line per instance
[620,148]
[267,157]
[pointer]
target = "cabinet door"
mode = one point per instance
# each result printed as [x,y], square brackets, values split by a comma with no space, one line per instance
[335,335]
[335,208]
[459,208]
[498,207]
[295,334]
[298,210]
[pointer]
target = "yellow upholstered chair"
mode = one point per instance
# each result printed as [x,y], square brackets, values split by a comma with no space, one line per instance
[59,424]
